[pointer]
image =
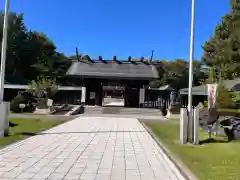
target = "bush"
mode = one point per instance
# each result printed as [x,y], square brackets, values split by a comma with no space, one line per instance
[22,98]
[224,98]
[236,97]
[205,103]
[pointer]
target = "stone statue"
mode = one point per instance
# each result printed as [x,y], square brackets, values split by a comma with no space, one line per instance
[174,97]
[174,103]
[42,100]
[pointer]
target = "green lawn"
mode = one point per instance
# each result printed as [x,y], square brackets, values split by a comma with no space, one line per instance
[26,127]
[215,161]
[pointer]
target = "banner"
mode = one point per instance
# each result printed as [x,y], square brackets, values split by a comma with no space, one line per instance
[212,95]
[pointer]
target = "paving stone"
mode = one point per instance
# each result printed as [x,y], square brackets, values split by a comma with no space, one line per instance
[72,176]
[41,175]
[123,148]
[26,175]
[56,176]
[87,177]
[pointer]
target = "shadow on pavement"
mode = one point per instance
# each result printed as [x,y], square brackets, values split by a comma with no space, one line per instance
[211,140]
[81,132]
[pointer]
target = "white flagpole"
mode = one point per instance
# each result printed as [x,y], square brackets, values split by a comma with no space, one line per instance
[4,50]
[190,113]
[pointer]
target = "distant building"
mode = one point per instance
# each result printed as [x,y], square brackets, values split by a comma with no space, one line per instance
[95,81]
[200,92]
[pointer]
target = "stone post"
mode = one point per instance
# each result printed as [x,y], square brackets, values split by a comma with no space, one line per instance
[183,126]
[4,121]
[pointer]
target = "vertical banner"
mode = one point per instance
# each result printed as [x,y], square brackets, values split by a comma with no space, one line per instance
[83,97]
[141,96]
[212,95]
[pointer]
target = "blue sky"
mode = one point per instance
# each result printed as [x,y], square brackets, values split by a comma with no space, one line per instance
[123,27]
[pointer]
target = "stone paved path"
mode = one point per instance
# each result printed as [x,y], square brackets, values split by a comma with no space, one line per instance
[89,148]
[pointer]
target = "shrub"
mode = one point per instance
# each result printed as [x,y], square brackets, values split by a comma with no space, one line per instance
[205,103]
[236,97]
[21,98]
[224,98]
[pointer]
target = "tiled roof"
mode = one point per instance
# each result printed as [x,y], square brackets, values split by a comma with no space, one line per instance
[202,90]
[112,69]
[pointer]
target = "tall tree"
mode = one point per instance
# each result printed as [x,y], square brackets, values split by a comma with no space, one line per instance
[222,51]
[175,73]
[17,38]
[29,53]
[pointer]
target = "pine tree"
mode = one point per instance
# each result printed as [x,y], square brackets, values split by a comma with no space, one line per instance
[222,51]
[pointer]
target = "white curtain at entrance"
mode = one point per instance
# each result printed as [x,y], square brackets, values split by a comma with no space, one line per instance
[83,97]
[141,96]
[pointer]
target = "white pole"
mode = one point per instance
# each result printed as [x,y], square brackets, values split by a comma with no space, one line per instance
[4,50]
[190,118]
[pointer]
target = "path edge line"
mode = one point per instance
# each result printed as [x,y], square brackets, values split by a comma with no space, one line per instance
[186,173]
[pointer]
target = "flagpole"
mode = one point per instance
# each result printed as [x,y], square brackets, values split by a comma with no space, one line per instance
[4,50]
[190,117]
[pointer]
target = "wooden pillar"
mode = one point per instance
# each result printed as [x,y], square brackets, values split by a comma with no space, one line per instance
[98,92]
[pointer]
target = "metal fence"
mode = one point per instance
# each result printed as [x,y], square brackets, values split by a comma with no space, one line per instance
[156,99]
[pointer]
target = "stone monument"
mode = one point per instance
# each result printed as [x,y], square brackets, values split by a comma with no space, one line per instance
[174,103]
[42,104]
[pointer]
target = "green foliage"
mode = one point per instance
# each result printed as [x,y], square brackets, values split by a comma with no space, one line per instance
[37,87]
[205,103]
[115,58]
[30,53]
[222,51]
[14,105]
[21,98]
[224,98]
[236,97]
[176,74]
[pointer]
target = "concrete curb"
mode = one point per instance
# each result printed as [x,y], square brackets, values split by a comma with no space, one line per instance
[180,166]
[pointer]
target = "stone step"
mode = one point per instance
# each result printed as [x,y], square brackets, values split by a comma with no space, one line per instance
[42,111]
[122,110]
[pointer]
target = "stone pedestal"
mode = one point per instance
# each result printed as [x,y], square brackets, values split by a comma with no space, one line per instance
[4,121]
[173,109]
[42,103]
[42,111]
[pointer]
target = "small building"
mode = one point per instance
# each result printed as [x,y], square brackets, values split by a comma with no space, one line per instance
[101,81]
[122,80]
[65,94]
[200,92]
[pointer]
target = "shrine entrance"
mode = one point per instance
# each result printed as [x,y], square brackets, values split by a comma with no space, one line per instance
[113,83]
[113,96]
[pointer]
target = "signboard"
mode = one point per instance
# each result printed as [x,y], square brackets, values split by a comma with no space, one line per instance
[49,102]
[83,96]
[22,106]
[212,95]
